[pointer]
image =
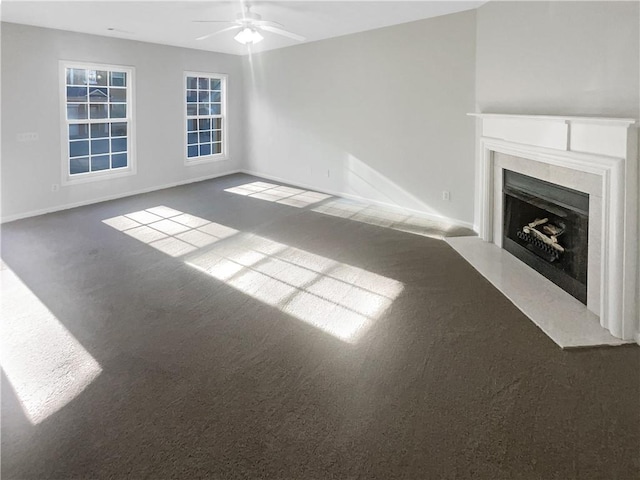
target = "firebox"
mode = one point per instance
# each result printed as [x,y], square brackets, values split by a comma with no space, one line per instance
[547,227]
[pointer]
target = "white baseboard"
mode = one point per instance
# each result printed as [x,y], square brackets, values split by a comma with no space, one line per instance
[431,216]
[33,213]
[67,206]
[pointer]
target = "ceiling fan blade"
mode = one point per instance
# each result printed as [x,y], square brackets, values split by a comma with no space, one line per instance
[263,23]
[204,37]
[117,30]
[284,33]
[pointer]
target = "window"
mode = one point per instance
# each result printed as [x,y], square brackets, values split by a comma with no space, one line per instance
[205,117]
[98,121]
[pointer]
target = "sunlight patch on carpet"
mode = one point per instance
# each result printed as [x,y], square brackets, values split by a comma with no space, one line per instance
[171,231]
[272,192]
[395,219]
[339,299]
[46,366]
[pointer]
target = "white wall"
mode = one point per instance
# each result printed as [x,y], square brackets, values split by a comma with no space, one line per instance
[382,111]
[31,103]
[379,114]
[566,58]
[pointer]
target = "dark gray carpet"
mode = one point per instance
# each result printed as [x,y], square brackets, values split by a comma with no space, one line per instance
[201,380]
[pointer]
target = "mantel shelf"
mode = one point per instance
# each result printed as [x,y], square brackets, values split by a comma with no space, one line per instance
[560,118]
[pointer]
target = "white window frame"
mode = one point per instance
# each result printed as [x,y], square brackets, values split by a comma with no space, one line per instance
[130,169]
[224,154]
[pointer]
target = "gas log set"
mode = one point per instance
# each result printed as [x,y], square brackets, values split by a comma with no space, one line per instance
[542,238]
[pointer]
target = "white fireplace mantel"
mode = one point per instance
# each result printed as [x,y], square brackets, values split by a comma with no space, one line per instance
[592,154]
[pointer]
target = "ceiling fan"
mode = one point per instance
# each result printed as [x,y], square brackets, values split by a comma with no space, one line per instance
[250,25]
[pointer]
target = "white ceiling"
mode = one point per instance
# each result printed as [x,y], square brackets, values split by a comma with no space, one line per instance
[171,22]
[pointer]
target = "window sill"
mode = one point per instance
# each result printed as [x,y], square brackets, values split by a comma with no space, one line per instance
[96,177]
[208,159]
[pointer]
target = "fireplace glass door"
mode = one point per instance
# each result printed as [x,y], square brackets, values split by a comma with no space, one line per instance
[547,227]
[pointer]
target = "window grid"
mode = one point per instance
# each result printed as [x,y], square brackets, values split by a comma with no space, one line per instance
[97,105]
[204,115]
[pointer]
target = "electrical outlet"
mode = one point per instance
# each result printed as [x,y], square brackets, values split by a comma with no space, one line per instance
[446,195]
[55,187]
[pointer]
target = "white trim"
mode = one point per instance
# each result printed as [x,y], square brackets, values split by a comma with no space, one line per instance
[224,154]
[131,169]
[598,165]
[431,216]
[67,206]
[558,118]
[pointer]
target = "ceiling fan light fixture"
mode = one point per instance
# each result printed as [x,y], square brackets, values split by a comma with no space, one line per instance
[248,36]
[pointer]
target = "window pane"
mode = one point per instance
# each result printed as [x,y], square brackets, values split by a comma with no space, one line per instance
[99,146]
[97,77]
[94,95]
[118,110]
[99,130]
[119,145]
[119,129]
[99,163]
[97,110]
[78,149]
[98,94]
[78,131]
[76,76]
[76,112]
[207,92]
[76,94]
[205,149]
[119,160]
[118,79]
[79,165]
[192,82]
[117,94]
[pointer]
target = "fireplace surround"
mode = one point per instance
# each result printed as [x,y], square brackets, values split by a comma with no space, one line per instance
[595,156]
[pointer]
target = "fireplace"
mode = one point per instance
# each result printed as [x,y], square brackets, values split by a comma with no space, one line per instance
[564,156]
[547,227]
